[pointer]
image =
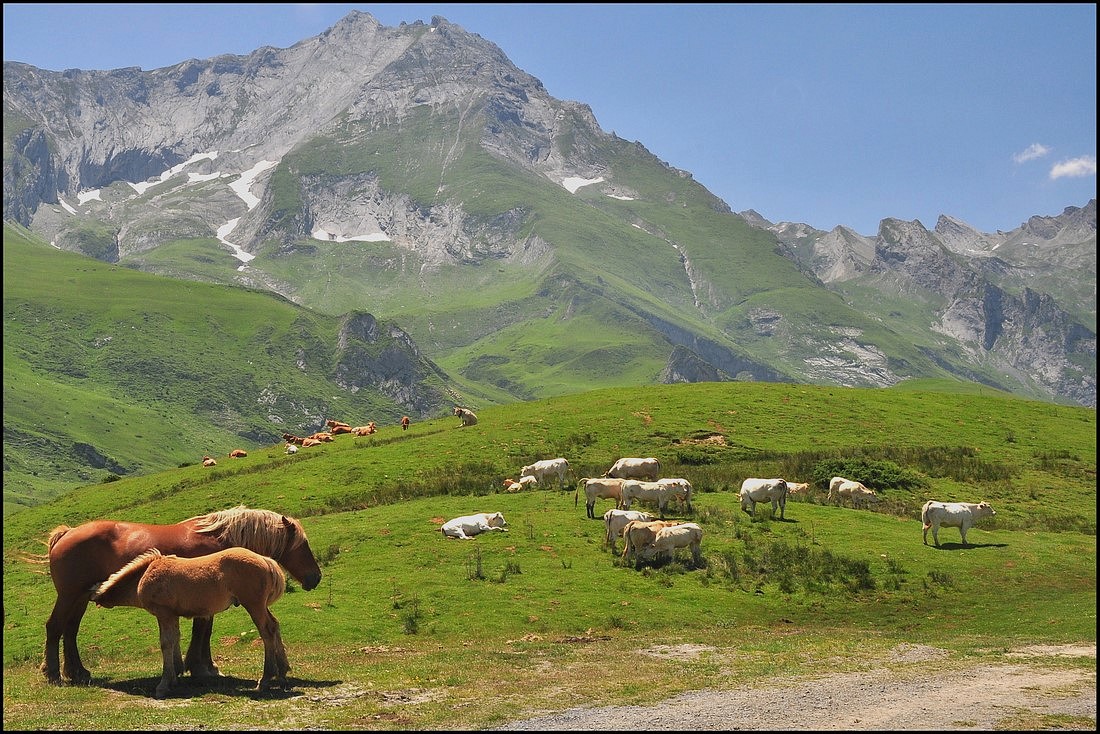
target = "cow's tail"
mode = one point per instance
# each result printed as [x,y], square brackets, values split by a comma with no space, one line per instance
[924,517]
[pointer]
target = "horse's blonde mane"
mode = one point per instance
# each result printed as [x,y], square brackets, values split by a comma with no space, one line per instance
[261,531]
[138,562]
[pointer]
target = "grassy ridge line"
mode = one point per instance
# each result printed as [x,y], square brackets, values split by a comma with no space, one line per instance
[759,423]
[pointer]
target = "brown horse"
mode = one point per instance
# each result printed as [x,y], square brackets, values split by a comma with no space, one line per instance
[86,555]
[170,587]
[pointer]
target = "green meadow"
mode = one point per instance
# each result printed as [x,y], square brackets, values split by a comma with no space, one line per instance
[409,630]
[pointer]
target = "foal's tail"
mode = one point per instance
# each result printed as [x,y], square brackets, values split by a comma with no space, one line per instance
[278,581]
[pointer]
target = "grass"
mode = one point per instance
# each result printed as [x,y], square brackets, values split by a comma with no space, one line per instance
[410,630]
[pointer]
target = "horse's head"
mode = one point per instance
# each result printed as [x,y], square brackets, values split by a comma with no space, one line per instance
[297,556]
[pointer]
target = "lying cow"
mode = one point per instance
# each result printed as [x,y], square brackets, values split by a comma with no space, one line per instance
[599,489]
[630,468]
[548,469]
[467,526]
[511,485]
[683,535]
[961,515]
[467,416]
[764,490]
[798,488]
[615,520]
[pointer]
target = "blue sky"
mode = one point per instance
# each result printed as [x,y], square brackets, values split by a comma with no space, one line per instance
[823,114]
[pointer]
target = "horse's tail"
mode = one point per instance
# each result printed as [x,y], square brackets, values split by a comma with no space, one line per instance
[101,590]
[56,534]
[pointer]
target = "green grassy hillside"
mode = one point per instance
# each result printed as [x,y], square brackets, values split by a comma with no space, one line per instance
[109,371]
[525,620]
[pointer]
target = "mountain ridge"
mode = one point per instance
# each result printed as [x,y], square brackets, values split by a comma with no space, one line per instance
[385,161]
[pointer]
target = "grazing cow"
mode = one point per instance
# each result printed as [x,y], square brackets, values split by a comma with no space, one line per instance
[655,492]
[207,461]
[683,491]
[405,423]
[861,496]
[684,535]
[961,515]
[291,448]
[467,526]
[599,489]
[637,534]
[615,520]
[764,490]
[547,469]
[237,453]
[467,416]
[842,489]
[630,468]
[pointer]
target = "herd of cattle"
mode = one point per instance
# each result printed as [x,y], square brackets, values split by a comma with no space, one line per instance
[631,480]
[647,538]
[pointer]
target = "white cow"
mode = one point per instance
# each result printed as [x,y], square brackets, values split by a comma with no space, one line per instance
[764,490]
[961,515]
[599,489]
[798,488]
[631,468]
[841,489]
[615,520]
[655,492]
[467,416]
[637,534]
[547,469]
[683,491]
[467,526]
[511,485]
[684,535]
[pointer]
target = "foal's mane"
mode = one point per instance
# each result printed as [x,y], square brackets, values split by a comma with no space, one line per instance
[261,531]
[139,562]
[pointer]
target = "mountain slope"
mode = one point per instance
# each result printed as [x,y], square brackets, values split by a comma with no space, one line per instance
[415,173]
[110,371]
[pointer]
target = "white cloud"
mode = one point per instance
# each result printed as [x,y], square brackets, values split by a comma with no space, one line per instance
[1033,151]
[1074,168]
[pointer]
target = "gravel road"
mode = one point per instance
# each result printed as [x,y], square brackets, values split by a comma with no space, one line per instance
[921,698]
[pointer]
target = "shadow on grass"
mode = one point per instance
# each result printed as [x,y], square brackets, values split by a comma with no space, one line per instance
[960,546]
[188,687]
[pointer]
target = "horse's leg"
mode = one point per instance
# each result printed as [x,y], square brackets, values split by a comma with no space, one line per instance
[61,627]
[169,625]
[275,661]
[199,659]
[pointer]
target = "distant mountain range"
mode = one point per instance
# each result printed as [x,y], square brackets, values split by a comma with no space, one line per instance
[413,173]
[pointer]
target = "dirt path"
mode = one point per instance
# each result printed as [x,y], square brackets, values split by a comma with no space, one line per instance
[1010,695]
